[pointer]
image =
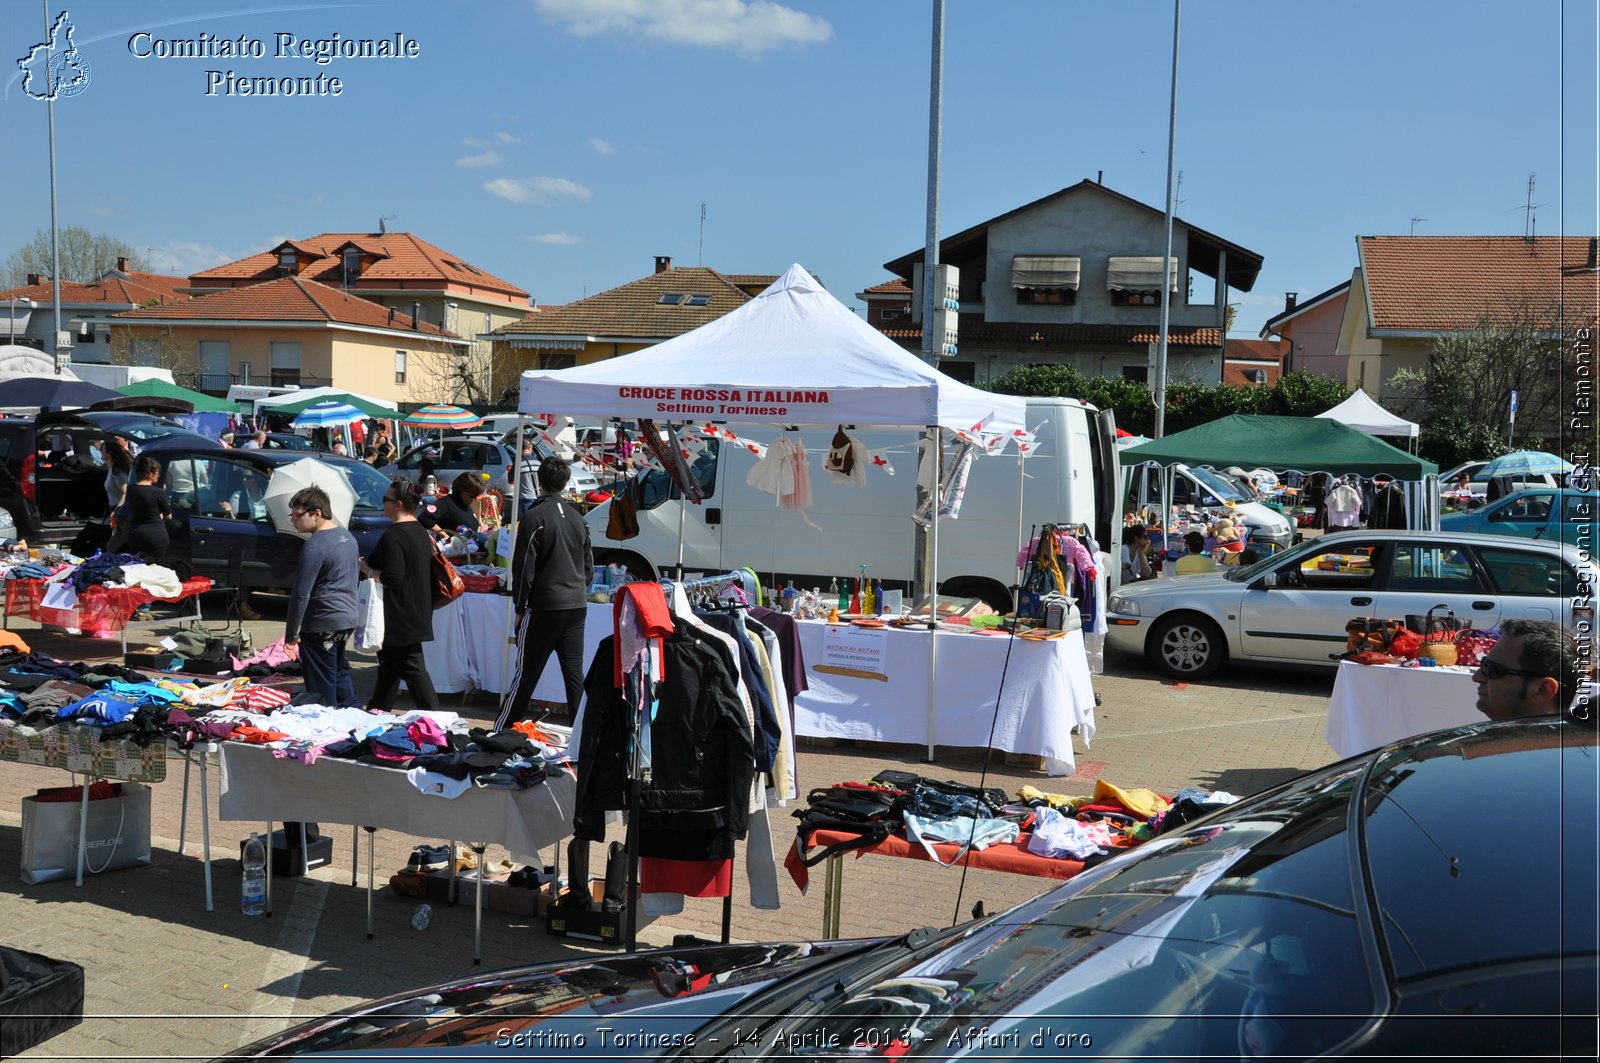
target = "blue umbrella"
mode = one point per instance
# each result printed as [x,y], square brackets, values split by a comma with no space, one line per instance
[324,414]
[1526,463]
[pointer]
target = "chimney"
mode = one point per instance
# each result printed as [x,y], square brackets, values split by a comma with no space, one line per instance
[122,264]
[1099,177]
[391,317]
[1592,264]
[416,317]
[663,263]
[35,278]
[1289,299]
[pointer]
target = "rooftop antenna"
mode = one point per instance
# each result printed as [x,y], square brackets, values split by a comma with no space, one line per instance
[383,224]
[702,254]
[1530,221]
[1414,220]
[1177,194]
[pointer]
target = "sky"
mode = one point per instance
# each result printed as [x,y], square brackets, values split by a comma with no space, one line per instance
[563,144]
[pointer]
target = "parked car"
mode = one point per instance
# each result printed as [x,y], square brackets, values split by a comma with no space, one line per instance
[1322,917]
[1553,513]
[458,454]
[1292,607]
[216,514]
[288,441]
[53,472]
[1478,483]
[8,525]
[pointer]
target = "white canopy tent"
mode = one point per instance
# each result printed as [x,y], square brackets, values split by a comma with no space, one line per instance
[1362,412]
[793,355]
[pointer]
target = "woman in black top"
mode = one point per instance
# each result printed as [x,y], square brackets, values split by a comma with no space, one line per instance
[443,516]
[147,512]
[403,563]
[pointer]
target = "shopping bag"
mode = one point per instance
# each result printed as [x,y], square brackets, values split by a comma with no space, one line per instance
[369,615]
[447,585]
[118,833]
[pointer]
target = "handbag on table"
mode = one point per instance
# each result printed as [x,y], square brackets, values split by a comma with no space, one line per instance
[447,584]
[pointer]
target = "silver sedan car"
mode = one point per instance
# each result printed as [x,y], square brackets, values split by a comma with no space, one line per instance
[1292,607]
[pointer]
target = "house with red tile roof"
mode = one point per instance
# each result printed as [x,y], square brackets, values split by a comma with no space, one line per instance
[1311,329]
[295,331]
[1075,278]
[1252,363]
[394,270]
[1408,290]
[86,309]
[667,303]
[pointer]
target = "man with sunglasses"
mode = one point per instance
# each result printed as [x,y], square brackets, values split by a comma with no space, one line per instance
[322,606]
[1532,670]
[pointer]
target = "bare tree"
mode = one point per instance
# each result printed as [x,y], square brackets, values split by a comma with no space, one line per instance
[162,348]
[84,256]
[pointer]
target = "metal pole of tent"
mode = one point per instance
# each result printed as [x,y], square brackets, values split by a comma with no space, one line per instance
[683,505]
[516,517]
[937,466]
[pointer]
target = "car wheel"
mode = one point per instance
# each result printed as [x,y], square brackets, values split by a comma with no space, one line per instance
[1186,646]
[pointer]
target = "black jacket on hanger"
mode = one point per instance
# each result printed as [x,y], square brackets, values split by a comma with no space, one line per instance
[695,803]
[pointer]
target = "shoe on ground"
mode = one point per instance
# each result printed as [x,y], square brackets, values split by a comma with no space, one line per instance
[429,858]
[246,612]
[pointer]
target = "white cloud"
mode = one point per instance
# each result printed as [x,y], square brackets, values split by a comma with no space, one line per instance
[602,147]
[182,258]
[507,138]
[475,142]
[483,158]
[747,26]
[561,239]
[539,190]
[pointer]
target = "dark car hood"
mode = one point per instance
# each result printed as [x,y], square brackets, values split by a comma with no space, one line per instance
[629,1006]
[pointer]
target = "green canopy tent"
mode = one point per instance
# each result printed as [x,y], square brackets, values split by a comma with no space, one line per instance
[1282,444]
[155,388]
[365,405]
[1294,444]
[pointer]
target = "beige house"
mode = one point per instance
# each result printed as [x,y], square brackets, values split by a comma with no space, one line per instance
[398,271]
[1311,327]
[295,331]
[1409,290]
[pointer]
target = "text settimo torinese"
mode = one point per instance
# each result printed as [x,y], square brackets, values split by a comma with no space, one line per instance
[724,402]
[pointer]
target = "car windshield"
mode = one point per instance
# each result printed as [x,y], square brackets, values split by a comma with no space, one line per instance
[1226,939]
[1215,484]
[368,483]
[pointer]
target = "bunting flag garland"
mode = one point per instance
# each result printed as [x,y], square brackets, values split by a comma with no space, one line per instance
[879,459]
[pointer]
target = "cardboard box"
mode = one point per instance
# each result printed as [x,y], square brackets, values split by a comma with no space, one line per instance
[432,886]
[592,923]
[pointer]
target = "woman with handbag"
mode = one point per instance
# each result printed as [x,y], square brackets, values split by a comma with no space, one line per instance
[403,563]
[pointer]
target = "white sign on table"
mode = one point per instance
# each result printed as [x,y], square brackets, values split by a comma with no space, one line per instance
[854,648]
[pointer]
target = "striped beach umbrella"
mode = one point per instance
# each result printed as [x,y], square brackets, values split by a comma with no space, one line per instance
[442,415]
[327,414]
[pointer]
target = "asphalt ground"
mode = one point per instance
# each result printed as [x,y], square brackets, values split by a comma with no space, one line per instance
[168,980]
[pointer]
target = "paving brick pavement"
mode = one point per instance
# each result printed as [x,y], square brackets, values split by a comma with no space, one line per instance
[167,979]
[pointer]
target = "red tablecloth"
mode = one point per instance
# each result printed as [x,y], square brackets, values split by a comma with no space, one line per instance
[99,608]
[1011,857]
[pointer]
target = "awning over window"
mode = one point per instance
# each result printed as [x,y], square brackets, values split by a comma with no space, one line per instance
[1044,271]
[1140,273]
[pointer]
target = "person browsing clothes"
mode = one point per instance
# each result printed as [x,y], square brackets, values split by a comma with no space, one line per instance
[443,516]
[403,563]
[550,568]
[322,606]
[148,511]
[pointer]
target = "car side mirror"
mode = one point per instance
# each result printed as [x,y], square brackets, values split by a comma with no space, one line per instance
[1268,581]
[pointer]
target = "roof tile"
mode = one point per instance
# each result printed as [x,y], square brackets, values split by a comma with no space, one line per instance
[285,299]
[408,259]
[1444,283]
[635,309]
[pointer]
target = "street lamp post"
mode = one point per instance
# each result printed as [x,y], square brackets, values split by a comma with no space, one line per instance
[11,331]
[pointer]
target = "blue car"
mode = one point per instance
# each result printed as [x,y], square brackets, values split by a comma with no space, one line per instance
[217,512]
[1556,513]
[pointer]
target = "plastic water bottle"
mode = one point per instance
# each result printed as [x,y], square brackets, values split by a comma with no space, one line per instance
[253,892]
[419,918]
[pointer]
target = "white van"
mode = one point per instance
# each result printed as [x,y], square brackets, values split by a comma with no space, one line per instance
[1203,489]
[1070,478]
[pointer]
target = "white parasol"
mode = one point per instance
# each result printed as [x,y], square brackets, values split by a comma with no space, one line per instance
[307,472]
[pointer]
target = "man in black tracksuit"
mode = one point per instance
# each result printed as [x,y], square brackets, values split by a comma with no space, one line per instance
[550,569]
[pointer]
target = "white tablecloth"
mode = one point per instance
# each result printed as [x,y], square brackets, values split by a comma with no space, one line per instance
[1044,692]
[1375,704]
[259,787]
[474,647]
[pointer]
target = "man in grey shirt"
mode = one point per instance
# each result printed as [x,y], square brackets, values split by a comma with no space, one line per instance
[322,609]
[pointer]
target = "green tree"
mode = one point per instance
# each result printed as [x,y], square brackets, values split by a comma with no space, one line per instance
[85,256]
[1462,396]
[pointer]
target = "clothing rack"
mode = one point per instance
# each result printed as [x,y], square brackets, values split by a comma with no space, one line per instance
[669,588]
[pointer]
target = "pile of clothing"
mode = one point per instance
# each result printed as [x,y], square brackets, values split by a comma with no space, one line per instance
[1113,818]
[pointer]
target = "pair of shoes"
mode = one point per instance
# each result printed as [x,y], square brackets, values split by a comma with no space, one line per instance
[429,858]
[246,612]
